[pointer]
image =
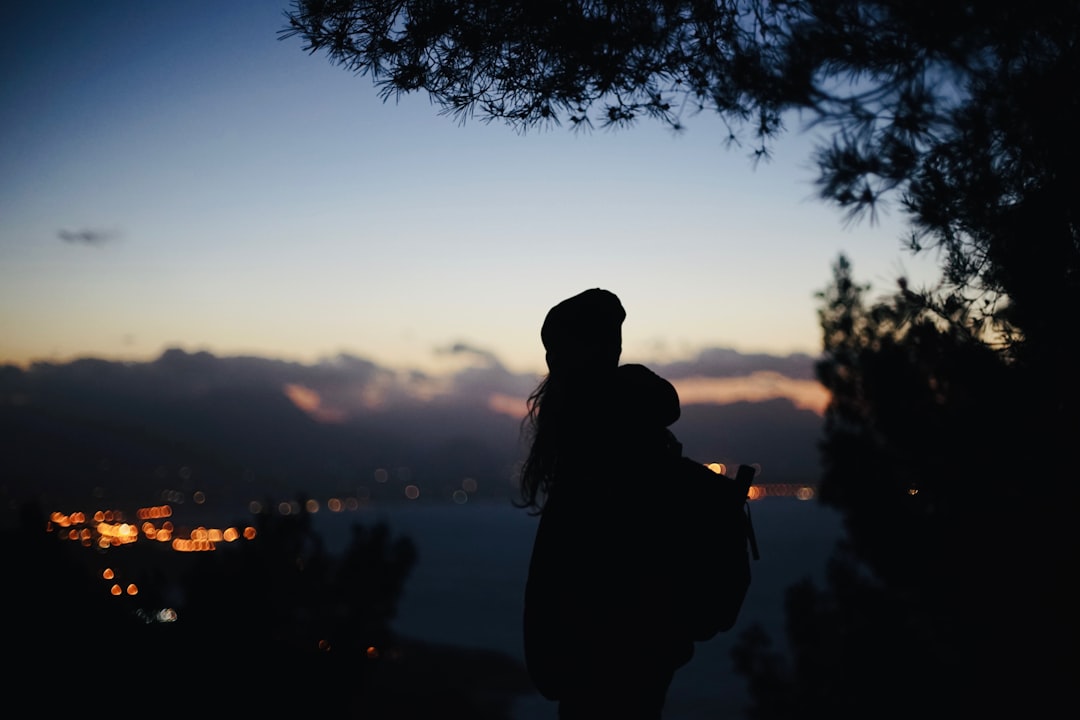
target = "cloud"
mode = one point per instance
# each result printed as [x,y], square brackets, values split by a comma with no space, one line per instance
[345,388]
[312,403]
[725,362]
[756,387]
[87,236]
[470,352]
[721,376]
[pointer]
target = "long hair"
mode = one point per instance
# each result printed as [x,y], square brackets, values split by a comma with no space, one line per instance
[538,470]
[564,427]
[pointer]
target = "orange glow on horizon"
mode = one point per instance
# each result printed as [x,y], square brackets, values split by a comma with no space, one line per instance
[756,387]
[311,402]
[515,407]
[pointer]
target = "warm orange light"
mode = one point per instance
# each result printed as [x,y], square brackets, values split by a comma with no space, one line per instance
[132,589]
[372,652]
[108,574]
[115,590]
[312,506]
[192,545]
[230,534]
[718,468]
[761,385]
[334,504]
[249,533]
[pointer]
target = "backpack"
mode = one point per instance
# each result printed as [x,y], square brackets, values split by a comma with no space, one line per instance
[712,570]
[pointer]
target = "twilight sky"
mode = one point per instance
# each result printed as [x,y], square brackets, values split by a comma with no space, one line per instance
[175,175]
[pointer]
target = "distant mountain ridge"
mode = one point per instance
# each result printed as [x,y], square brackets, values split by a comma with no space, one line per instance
[101,431]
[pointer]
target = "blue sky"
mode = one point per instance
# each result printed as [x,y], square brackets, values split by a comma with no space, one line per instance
[175,175]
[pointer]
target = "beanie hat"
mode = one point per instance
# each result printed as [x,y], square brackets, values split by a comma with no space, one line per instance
[583,327]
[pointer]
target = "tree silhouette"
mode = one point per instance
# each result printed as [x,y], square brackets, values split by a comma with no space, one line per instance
[955,407]
[301,617]
[953,589]
[268,627]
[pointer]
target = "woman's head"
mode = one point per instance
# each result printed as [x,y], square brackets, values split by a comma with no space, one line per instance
[584,333]
[582,337]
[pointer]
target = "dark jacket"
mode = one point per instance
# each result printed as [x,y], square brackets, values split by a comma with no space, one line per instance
[626,556]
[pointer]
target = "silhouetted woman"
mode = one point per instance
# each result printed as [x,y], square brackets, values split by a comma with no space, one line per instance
[602,621]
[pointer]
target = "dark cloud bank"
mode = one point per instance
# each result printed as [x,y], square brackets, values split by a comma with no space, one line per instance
[94,432]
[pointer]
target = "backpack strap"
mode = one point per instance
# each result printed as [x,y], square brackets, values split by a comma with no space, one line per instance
[745,477]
